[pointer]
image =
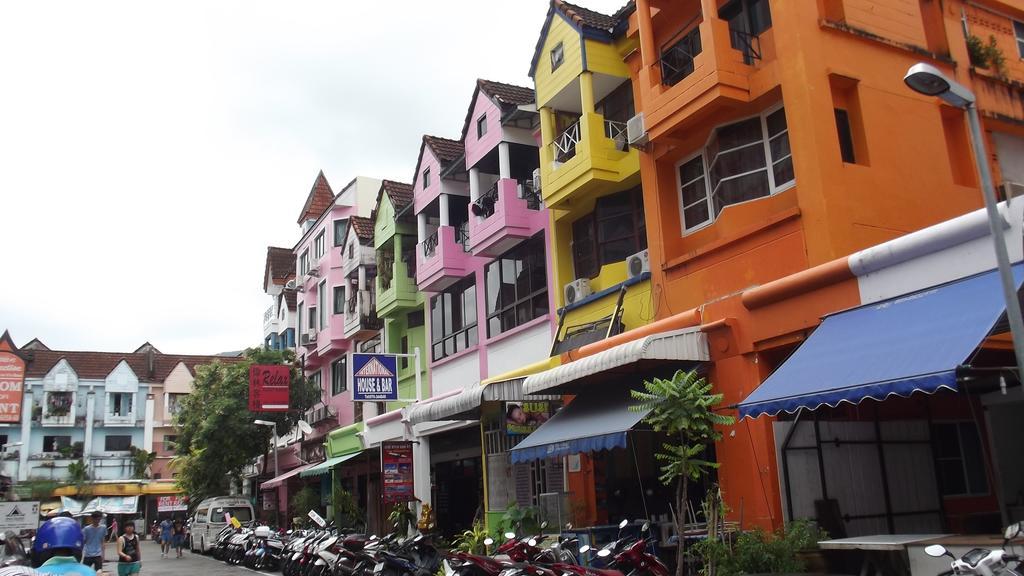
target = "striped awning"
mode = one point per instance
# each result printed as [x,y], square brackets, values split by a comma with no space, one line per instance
[457,406]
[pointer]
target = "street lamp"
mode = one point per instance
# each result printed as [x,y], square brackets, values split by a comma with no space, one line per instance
[930,81]
[273,427]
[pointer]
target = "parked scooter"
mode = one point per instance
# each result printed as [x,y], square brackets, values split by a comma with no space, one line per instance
[982,562]
[625,555]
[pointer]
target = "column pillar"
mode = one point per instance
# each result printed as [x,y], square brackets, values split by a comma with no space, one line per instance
[26,438]
[362,277]
[587,92]
[647,55]
[504,163]
[421,472]
[421,227]
[474,184]
[147,434]
[547,136]
[90,427]
[443,203]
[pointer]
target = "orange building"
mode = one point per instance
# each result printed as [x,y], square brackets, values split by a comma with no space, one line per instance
[777,139]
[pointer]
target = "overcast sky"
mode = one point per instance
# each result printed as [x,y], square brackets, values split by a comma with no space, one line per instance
[150,152]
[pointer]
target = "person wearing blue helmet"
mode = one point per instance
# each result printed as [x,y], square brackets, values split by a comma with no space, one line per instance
[58,548]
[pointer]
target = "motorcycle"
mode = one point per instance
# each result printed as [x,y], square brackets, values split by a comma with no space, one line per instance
[983,562]
[414,556]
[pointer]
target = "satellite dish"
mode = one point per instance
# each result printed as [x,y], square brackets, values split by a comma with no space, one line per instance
[305,428]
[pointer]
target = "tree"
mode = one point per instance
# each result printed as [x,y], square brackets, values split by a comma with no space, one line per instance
[303,501]
[78,476]
[682,407]
[217,437]
[141,461]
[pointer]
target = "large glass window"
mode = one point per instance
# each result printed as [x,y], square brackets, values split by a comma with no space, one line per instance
[319,244]
[340,228]
[517,287]
[55,443]
[304,263]
[611,233]
[339,376]
[339,299]
[321,304]
[453,319]
[117,443]
[958,458]
[742,161]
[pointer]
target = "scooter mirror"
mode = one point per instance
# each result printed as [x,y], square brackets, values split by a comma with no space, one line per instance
[510,535]
[543,524]
[646,527]
[373,536]
[568,526]
[1012,531]
[623,523]
[585,548]
[604,552]
[935,550]
[488,541]
[532,541]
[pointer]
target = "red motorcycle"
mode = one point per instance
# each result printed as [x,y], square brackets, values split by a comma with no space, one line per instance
[629,556]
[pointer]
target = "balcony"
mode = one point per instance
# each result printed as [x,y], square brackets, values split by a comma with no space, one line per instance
[269,322]
[704,66]
[110,419]
[507,213]
[361,318]
[588,157]
[443,258]
[396,279]
[320,414]
[363,256]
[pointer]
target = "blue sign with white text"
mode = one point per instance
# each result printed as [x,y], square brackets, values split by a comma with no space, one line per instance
[374,377]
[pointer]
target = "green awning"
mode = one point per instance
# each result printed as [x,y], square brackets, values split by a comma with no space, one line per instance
[325,466]
[345,440]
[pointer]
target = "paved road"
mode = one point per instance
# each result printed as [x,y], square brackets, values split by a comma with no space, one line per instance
[189,565]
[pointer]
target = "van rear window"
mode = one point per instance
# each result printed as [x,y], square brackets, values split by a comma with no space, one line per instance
[243,514]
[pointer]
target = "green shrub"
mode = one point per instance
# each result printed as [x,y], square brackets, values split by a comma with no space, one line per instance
[757,551]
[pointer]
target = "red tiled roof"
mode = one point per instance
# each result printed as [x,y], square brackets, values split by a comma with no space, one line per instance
[400,193]
[97,365]
[363,228]
[320,199]
[506,93]
[291,298]
[586,16]
[280,265]
[446,149]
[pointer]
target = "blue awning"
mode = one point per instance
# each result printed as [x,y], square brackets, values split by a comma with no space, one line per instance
[911,343]
[597,420]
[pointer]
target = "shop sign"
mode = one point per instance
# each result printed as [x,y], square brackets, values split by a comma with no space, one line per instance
[525,417]
[374,377]
[171,504]
[268,388]
[317,518]
[12,383]
[397,471]
[18,516]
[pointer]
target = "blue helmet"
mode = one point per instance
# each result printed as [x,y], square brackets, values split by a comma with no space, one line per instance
[59,533]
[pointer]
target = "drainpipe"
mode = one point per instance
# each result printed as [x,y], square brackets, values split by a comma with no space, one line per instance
[26,431]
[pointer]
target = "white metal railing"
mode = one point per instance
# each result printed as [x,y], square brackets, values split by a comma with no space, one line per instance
[565,143]
[615,130]
[268,315]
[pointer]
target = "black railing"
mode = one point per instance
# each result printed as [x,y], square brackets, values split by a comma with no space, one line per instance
[747,43]
[484,205]
[677,60]
[352,301]
[530,194]
[430,245]
[462,235]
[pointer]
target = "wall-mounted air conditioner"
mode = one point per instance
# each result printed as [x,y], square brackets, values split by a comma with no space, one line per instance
[638,264]
[577,290]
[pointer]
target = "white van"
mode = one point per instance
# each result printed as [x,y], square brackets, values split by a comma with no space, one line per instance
[209,519]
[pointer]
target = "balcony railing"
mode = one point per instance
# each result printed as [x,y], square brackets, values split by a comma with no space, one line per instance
[677,60]
[352,301]
[462,235]
[530,194]
[486,202]
[268,315]
[616,131]
[748,44]
[565,143]
[430,245]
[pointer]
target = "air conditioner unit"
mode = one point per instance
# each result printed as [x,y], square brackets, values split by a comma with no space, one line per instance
[315,272]
[636,131]
[638,264]
[577,290]
[536,179]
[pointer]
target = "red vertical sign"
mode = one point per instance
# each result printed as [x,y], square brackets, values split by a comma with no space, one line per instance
[268,388]
[12,381]
[397,472]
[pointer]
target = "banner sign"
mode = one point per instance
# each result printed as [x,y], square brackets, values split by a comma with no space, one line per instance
[112,505]
[268,388]
[18,516]
[525,417]
[12,382]
[171,504]
[374,377]
[69,504]
[397,471]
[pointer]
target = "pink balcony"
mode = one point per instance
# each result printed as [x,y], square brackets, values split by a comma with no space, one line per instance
[442,259]
[507,213]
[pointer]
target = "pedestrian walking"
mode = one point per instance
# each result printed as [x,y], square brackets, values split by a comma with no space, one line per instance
[166,529]
[178,536]
[113,529]
[129,553]
[94,536]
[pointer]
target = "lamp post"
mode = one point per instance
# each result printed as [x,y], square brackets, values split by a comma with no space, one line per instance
[273,428]
[930,81]
[14,477]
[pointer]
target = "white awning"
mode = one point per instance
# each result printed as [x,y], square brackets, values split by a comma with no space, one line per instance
[689,345]
[383,428]
[468,400]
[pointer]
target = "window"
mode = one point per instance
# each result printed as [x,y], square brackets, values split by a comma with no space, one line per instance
[315,380]
[845,136]
[174,403]
[351,250]
[242,513]
[557,56]
[481,126]
[371,346]
[321,304]
[170,443]
[958,458]
[339,376]
[611,233]
[59,404]
[742,161]
[517,288]
[304,263]
[312,318]
[202,515]
[298,320]
[404,349]
[339,299]
[340,228]
[1018,32]
[750,16]
[415,319]
[426,178]
[453,319]
[117,443]
[55,443]
[319,244]
[120,404]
